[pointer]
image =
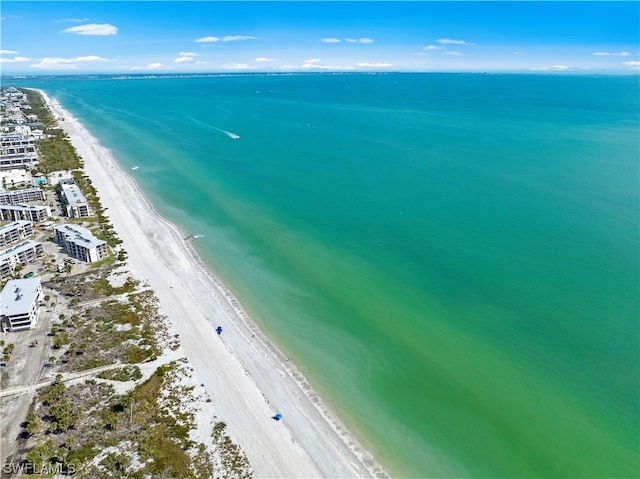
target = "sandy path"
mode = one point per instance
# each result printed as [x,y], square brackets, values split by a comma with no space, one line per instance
[66,377]
[246,376]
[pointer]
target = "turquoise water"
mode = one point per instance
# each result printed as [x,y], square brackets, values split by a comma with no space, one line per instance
[451,259]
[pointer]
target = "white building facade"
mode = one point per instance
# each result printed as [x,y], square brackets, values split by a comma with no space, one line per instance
[75,202]
[26,195]
[22,253]
[16,231]
[19,304]
[80,243]
[34,213]
[17,151]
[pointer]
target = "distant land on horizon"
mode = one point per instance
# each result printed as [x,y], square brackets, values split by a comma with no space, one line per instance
[126,37]
[133,76]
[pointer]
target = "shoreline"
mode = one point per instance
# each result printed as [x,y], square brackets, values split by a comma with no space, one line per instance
[247,376]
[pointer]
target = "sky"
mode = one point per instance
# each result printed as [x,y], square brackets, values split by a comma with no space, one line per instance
[87,37]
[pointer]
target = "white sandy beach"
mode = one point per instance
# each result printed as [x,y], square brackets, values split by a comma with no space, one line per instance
[248,379]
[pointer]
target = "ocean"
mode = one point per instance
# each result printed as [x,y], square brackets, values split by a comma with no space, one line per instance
[451,259]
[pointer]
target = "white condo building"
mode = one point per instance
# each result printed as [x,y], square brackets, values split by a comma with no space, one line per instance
[22,253]
[16,231]
[14,197]
[19,304]
[24,212]
[17,151]
[80,243]
[76,203]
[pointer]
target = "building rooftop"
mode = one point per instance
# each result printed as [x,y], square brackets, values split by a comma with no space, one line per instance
[18,295]
[23,207]
[79,235]
[15,249]
[72,193]
[13,225]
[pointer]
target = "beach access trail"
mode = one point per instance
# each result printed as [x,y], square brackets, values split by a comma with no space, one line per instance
[247,378]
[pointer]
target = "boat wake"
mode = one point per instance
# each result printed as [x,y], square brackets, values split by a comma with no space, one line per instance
[231,135]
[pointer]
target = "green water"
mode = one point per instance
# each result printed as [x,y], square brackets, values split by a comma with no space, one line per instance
[451,259]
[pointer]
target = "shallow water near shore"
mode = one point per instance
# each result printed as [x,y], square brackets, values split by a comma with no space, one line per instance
[452,260]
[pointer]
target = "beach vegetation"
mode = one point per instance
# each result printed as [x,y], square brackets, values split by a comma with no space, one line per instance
[103,263]
[124,374]
[41,453]
[56,153]
[104,287]
[231,457]
[106,231]
[39,108]
[33,424]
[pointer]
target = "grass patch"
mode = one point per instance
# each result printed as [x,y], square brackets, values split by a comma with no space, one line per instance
[127,373]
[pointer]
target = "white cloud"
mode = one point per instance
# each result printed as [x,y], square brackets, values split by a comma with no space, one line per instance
[518,53]
[632,63]
[433,47]
[185,57]
[67,63]
[611,54]
[228,38]
[449,41]
[71,20]
[359,40]
[156,66]
[235,38]
[453,53]
[330,40]
[93,29]
[208,40]
[8,52]
[15,60]
[557,68]
[263,60]
[201,62]
[375,65]
[312,60]
[239,66]
[316,66]
[150,66]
